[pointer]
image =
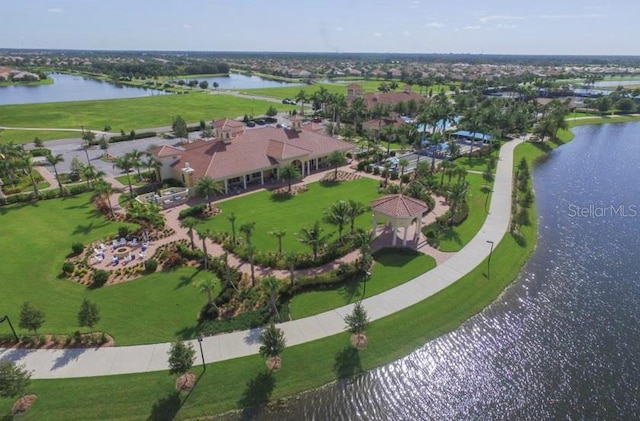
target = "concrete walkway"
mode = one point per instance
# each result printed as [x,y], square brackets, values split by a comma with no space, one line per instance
[47,364]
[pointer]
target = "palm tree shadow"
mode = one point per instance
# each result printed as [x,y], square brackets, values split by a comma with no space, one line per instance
[347,362]
[186,280]
[351,289]
[256,394]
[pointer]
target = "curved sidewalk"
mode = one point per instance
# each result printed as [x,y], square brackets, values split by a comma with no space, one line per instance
[49,364]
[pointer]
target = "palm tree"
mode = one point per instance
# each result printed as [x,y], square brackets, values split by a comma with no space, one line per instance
[403,163]
[104,190]
[435,139]
[207,286]
[247,229]
[203,236]
[336,159]
[272,344]
[136,161]
[363,241]
[355,209]
[388,134]
[125,163]
[207,187]
[379,111]
[301,97]
[90,173]
[338,215]
[232,219]
[53,160]
[271,285]
[153,167]
[289,172]
[387,167]
[290,260]
[312,236]
[251,253]
[189,223]
[27,167]
[88,138]
[457,194]
[357,110]
[279,234]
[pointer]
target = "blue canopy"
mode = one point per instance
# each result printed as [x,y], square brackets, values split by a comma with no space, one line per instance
[470,135]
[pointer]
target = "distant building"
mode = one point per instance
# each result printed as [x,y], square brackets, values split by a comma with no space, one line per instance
[389,98]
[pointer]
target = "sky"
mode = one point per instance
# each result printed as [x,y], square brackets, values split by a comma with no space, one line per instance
[575,27]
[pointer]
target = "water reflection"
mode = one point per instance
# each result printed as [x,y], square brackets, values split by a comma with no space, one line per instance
[560,343]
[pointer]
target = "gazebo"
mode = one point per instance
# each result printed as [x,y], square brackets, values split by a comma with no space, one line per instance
[400,212]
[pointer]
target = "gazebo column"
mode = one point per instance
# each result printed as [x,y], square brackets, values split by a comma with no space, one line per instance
[418,230]
[404,240]
[374,225]
[226,186]
[261,177]
[394,232]
[244,181]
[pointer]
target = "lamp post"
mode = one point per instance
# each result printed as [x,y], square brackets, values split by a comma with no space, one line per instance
[367,275]
[6,317]
[200,338]
[489,260]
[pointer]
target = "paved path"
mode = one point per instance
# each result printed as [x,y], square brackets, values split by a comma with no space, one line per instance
[142,358]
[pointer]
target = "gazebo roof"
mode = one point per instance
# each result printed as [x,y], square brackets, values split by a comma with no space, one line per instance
[399,206]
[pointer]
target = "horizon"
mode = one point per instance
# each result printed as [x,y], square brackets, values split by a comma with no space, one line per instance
[496,27]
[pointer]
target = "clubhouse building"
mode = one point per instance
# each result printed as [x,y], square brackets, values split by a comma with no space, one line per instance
[240,157]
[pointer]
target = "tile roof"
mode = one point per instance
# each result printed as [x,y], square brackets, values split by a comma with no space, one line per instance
[255,150]
[399,206]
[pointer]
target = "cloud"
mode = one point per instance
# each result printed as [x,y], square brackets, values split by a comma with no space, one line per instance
[470,28]
[579,16]
[339,28]
[414,4]
[486,19]
[54,10]
[503,26]
[186,26]
[377,34]
[406,33]
[434,25]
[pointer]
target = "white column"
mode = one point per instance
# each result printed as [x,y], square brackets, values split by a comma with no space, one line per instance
[244,181]
[226,186]
[261,177]
[374,225]
[404,240]
[394,231]
[302,168]
[418,230]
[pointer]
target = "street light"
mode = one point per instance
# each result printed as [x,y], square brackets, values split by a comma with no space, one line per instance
[489,261]
[200,338]
[367,275]
[6,317]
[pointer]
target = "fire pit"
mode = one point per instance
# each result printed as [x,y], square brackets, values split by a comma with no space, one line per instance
[122,252]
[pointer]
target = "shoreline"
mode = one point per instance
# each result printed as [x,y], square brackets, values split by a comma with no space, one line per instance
[412,337]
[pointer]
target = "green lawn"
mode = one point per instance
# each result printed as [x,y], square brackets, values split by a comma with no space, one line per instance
[244,381]
[291,214]
[392,268]
[26,136]
[453,239]
[35,240]
[476,163]
[127,114]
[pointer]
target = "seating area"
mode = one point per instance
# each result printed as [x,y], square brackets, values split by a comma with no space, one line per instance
[120,251]
[166,198]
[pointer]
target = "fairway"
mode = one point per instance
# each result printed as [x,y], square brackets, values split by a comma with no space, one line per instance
[128,114]
[292,214]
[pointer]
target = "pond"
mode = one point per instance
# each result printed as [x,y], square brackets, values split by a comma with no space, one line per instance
[241,81]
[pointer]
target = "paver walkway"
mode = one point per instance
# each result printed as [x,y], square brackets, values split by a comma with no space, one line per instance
[142,358]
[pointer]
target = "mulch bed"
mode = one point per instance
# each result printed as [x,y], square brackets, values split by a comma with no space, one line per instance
[329,177]
[185,382]
[61,343]
[274,363]
[23,404]
[359,341]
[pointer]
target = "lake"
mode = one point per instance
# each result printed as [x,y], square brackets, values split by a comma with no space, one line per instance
[562,341]
[78,88]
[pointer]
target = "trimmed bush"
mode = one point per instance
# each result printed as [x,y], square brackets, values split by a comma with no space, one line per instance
[100,277]
[68,268]
[195,211]
[150,265]
[77,248]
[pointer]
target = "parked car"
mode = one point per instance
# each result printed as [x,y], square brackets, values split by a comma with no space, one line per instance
[288,101]
[261,122]
[251,124]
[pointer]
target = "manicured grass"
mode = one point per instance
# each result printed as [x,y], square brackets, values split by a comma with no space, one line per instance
[243,381]
[453,239]
[127,114]
[291,92]
[26,136]
[392,268]
[476,163]
[35,241]
[292,214]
